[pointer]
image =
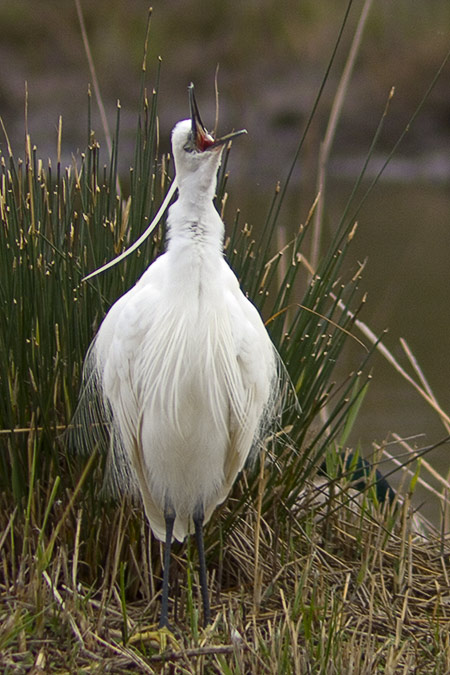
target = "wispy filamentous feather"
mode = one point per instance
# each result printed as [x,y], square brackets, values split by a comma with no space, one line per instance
[92,429]
[156,382]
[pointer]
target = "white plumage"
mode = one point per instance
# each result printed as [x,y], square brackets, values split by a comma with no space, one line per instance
[182,362]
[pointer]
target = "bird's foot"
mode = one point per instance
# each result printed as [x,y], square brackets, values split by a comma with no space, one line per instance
[158,638]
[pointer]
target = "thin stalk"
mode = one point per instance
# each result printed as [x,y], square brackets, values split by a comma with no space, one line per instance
[95,83]
[406,129]
[333,121]
[313,111]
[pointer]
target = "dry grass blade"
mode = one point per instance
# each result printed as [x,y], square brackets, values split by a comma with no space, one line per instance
[333,120]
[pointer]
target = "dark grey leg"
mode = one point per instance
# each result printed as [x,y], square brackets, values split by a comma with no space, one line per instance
[198,524]
[169,517]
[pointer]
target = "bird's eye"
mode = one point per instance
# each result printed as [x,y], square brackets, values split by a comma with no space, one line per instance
[189,146]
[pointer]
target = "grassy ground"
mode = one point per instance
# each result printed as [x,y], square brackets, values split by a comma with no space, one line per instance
[304,577]
[332,589]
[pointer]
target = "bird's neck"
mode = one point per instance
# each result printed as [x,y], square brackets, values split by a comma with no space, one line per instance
[197,185]
[195,228]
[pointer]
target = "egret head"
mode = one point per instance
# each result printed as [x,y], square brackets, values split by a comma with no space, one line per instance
[195,150]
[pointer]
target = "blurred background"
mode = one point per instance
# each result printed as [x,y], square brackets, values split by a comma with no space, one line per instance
[272,58]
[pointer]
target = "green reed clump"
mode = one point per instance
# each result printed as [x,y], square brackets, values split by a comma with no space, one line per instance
[59,223]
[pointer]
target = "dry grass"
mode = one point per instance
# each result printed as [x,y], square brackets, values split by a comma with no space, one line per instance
[341,586]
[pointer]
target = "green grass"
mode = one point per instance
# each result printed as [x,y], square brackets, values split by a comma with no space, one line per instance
[303,577]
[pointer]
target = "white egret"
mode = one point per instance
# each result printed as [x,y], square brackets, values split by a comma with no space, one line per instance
[182,365]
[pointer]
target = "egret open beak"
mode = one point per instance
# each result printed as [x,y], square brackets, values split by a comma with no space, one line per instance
[201,137]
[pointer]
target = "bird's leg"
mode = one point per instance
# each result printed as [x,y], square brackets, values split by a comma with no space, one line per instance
[198,524]
[169,517]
